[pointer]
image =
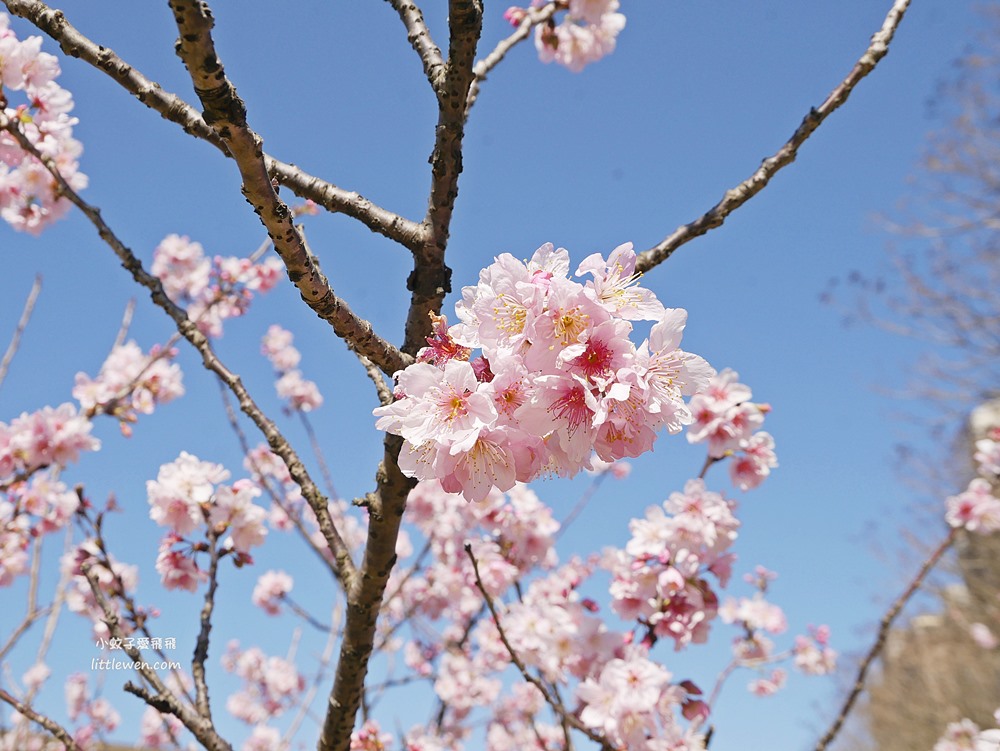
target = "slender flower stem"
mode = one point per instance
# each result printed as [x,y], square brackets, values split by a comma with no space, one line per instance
[22,324]
[736,197]
[883,632]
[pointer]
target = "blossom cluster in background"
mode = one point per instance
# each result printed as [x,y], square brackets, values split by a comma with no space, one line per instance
[130,382]
[558,378]
[212,289]
[587,31]
[32,500]
[301,393]
[977,509]
[188,496]
[728,421]
[39,107]
[966,735]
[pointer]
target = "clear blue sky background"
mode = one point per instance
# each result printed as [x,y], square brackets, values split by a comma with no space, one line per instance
[695,96]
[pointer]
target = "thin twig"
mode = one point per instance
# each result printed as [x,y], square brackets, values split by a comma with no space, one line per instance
[51,725]
[317,450]
[532,17]
[382,389]
[226,113]
[279,445]
[22,324]
[750,187]
[880,639]
[204,633]
[164,700]
[551,700]
[171,107]
[125,324]
[32,612]
[320,675]
[430,279]
[420,39]
[294,516]
[588,494]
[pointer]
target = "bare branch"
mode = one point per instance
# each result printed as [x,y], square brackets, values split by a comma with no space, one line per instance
[278,443]
[420,38]
[532,17]
[295,517]
[51,725]
[364,600]
[226,113]
[202,703]
[22,324]
[883,632]
[125,324]
[430,280]
[171,107]
[736,197]
[383,390]
[164,699]
[551,700]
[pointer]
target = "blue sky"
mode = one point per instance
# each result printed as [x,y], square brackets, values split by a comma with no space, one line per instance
[694,97]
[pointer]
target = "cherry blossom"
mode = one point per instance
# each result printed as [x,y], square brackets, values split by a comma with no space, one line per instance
[557,381]
[30,198]
[976,509]
[271,587]
[130,382]
[587,33]
[48,436]
[302,394]
[212,289]
[813,655]
[270,684]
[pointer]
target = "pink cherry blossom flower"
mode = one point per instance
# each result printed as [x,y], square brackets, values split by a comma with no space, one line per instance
[271,587]
[769,685]
[180,490]
[976,509]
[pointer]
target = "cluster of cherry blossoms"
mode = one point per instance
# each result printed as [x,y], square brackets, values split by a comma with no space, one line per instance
[977,508]
[587,32]
[302,394]
[189,495]
[272,586]
[114,579]
[29,197]
[660,578]
[728,421]
[270,684]
[289,509]
[130,382]
[211,289]
[966,735]
[32,501]
[756,616]
[558,378]
[98,716]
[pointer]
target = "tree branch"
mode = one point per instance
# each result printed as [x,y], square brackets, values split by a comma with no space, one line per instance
[171,107]
[421,41]
[551,700]
[225,112]
[430,280]
[883,632]
[22,324]
[202,703]
[532,17]
[364,600]
[278,443]
[736,197]
[51,725]
[164,700]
